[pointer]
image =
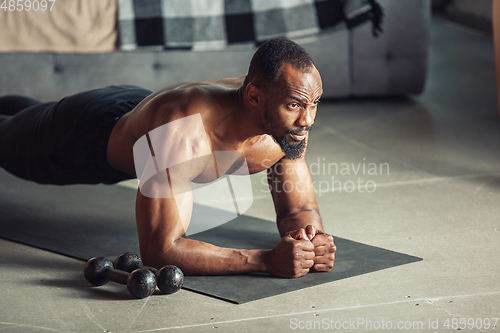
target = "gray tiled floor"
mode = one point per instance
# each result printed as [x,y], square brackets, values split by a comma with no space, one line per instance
[439,201]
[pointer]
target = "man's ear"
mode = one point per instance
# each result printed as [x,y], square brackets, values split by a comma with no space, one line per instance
[253,94]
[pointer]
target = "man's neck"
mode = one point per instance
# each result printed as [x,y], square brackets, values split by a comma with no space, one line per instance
[246,122]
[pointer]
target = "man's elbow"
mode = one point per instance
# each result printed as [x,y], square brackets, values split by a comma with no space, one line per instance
[160,255]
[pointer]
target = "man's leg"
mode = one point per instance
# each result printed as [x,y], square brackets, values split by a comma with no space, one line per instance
[65,142]
[12,104]
[19,118]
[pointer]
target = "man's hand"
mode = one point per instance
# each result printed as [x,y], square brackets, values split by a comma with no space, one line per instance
[324,249]
[293,256]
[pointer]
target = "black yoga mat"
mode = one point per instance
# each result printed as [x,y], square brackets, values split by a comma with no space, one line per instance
[82,221]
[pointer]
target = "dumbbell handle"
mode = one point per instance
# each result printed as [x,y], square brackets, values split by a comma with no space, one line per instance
[150,268]
[117,275]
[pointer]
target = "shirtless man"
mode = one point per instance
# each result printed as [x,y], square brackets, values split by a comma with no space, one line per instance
[265,117]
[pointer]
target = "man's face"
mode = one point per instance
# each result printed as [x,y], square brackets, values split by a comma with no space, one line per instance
[291,106]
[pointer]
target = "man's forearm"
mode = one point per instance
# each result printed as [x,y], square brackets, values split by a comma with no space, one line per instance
[160,229]
[300,219]
[199,258]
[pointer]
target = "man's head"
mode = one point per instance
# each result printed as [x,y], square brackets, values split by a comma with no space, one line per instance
[286,86]
[267,61]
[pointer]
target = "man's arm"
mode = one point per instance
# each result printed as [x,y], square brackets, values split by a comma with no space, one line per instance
[293,195]
[296,207]
[160,226]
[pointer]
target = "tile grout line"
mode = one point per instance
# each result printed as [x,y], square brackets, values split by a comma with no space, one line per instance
[427,299]
[146,301]
[484,184]
[437,179]
[30,326]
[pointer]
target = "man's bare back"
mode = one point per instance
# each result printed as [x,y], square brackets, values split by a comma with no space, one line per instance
[216,102]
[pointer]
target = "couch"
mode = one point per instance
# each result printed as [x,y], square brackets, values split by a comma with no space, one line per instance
[351,59]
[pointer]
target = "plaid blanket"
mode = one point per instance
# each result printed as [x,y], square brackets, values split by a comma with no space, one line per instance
[217,24]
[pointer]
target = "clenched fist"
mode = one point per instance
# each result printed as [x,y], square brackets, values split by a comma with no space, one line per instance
[324,249]
[293,256]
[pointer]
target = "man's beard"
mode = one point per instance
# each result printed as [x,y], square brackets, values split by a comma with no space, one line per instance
[293,150]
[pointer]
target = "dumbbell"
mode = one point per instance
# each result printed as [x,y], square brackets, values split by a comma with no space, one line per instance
[140,282]
[169,278]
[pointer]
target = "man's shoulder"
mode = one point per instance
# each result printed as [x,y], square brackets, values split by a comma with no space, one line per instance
[188,99]
[167,105]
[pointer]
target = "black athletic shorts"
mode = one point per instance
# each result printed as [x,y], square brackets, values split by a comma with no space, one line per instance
[65,142]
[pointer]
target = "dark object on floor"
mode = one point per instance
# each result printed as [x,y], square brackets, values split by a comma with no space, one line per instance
[141,283]
[351,259]
[79,221]
[170,279]
[95,271]
[128,262]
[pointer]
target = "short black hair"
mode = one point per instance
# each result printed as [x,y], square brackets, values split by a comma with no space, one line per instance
[271,56]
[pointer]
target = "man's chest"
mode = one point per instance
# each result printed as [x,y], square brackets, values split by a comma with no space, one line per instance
[255,157]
